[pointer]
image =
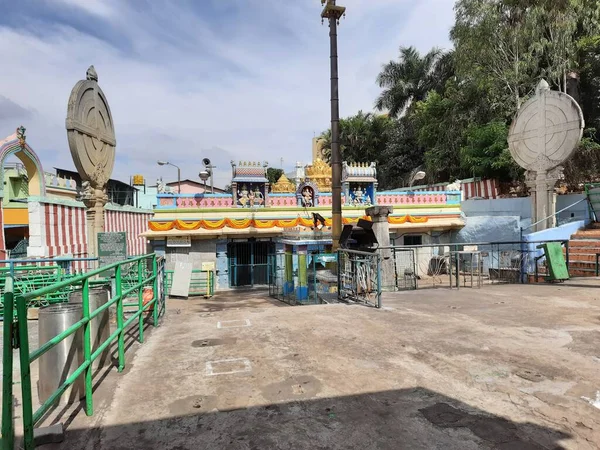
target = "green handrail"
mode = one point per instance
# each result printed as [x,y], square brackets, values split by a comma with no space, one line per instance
[199,284]
[8,436]
[30,418]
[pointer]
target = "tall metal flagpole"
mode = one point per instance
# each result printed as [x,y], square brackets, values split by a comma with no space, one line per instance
[332,12]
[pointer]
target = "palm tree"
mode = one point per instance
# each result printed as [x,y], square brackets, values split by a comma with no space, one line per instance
[362,137]
[410,79]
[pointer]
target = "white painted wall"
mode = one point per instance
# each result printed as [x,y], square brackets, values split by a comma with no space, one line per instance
[522,207]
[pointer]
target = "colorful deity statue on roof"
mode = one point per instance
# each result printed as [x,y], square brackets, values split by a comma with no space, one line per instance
[359,183]
[249,184]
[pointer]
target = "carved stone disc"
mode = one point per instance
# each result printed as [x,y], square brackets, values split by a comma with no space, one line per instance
[546,130]
[90,131]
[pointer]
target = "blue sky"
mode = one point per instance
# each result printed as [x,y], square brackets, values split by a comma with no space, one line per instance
[223,79]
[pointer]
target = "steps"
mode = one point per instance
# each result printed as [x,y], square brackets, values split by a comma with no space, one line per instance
[583,247]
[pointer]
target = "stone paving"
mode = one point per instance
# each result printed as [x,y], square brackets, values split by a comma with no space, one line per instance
[502,367]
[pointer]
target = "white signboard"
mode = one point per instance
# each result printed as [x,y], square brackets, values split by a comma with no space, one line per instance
[179,241]
[181,279]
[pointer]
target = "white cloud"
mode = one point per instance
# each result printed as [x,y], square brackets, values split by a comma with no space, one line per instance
[186,85]
[98,7]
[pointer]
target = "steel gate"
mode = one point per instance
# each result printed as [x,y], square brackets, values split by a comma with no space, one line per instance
[359,277]
[405,268]
[249,262]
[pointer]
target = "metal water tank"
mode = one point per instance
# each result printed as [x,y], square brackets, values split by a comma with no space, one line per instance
[99,325]
[58,363]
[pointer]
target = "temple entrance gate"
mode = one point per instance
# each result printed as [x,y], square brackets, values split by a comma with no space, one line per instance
[249,263]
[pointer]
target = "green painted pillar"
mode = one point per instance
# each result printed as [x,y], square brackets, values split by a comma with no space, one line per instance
[288,285]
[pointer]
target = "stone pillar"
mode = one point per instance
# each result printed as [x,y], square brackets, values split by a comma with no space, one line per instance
[381,229]
[543,198]
[288,286]
[95,219]
[222,265]
[234,190]
[267,189]
[279,265]
[302,288]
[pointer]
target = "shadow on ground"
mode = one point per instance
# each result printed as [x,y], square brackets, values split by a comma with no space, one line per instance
[399,419]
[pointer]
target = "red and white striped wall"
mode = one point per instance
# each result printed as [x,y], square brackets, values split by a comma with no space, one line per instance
[57,229]
[133,223]
[470,188]
[479,189]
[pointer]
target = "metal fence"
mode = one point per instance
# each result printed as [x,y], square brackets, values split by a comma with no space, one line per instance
[359,277]
[202,282]
[293,284]
[32,274]
[468,264]
[149,270]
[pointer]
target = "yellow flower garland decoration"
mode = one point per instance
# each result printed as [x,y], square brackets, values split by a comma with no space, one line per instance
[239,224]
[157,226]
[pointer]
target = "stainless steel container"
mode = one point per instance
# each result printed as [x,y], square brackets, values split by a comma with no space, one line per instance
[58,363]
[99,325]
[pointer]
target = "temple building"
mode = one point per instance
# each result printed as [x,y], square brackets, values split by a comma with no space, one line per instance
[243,231]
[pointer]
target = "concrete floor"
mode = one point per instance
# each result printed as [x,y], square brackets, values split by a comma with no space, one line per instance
[503,367]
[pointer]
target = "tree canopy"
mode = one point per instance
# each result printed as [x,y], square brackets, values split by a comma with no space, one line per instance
[449,111]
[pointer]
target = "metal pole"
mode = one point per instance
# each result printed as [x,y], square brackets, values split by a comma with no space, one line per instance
[27,410]
[333,13]
[155,289]
[178,180]
[140,274]
[121,339]
[8,436]
[379,281]
[87,347]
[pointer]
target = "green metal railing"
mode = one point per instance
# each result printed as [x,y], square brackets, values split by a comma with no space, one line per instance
[17,333]
[30,278]
[30,275]
[202,282]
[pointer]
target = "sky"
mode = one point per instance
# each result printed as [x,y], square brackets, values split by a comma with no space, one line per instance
[191,79]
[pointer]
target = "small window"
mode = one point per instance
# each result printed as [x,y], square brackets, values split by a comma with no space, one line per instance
[413,240]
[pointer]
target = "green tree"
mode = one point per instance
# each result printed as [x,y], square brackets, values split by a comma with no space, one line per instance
[362,137]
[589,87]
[441,122]
[498,45]
[485,153]
[401,155]
[273,175]
[410,79]
[584,165]
[438,132]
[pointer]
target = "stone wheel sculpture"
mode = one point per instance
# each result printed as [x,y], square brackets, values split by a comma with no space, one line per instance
[546,130]
[90,131]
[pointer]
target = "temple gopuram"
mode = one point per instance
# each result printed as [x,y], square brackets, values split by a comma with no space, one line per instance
[240,231]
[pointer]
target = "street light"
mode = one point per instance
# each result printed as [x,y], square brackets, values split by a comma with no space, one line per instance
[208,170]
[205,175]
[166,163]
[332,12]
[417,176]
